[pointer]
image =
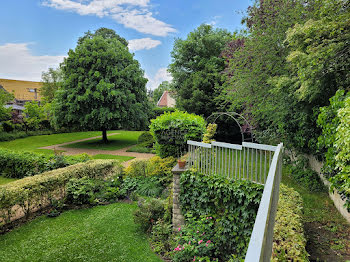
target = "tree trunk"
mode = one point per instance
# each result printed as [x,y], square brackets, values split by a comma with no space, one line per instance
[104,136]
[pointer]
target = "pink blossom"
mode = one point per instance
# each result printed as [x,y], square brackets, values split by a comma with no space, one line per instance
[197,231]
[179,229]
[189,242]
[208,241]
[194,259]
[200,241]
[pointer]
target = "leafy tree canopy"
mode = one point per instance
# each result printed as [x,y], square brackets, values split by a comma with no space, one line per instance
[196,66]
[103,86]
[51,82]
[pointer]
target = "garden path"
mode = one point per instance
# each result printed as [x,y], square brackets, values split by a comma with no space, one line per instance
[118,152]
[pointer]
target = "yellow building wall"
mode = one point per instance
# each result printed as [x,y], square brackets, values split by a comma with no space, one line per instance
[21,89]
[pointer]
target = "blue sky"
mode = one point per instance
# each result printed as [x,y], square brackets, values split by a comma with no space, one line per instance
[37,34]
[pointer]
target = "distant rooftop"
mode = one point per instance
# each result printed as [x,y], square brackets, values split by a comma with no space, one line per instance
[22,90]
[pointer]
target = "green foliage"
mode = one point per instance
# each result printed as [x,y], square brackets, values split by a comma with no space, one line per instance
[5,97]
[103,86]
[341,181]
[161,237]
[196,239]
[34,114]
[148,177]
[196,68]
[302,173]
[148,213]
[20,164]
[208,136]
[51,82]
[234,205]
[31,193]
[146,139]
[328,120]
[157,111]
[288,240]
[172,130]
[81,191]
[8,126]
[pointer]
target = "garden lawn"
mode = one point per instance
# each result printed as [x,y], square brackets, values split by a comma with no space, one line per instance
[102,233]
[5,180]
[120,158]
[122,140]
[32,143]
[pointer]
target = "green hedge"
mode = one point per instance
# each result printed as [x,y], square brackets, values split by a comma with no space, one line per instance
[231,205]
[32,193]
[172,130]
[157,111]
[289,240]
[18,164]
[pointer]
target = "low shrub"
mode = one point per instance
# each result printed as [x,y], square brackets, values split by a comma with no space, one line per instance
[196,239]
[148,213]
[18,164]
[146,139]
[81,191]
[288,240]
[161,237]
[155,166]
[32,193]
[8,126]
[234,204]
[139,149]
[172,130]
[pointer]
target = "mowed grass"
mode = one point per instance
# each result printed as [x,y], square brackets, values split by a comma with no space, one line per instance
[32,143]
[5,180]
[120,158]
[122,140]
[102,233]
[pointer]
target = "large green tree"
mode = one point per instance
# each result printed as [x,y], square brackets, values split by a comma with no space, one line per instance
[5,97]
[196,68]
[103,86]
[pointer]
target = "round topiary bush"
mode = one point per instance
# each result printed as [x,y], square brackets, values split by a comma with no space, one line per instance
[146,139]
[172,130]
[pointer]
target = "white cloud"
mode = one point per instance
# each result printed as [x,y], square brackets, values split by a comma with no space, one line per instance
[143,43]
[17,62]
[159,77]
[133,14]
[214,20]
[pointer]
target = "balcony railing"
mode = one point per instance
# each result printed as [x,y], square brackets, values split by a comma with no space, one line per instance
[255,162]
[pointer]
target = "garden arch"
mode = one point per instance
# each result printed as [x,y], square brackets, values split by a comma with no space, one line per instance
[236,117]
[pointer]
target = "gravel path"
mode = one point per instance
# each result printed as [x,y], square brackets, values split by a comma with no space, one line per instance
[119,152]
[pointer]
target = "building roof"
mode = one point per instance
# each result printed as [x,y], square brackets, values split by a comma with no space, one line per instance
[15,107]
[166,100]
[22,90]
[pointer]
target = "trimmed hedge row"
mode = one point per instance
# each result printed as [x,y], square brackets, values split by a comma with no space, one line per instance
[289,240]
[29,194]
[17,164]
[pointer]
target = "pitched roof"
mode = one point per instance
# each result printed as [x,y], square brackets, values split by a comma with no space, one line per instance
[22,90]
[166,100]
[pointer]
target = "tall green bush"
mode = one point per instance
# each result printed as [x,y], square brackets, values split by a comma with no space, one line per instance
[172,130]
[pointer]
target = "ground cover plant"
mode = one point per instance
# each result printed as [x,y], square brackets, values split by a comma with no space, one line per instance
[102,233]
[121,140]
[5,180]
[220,216]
